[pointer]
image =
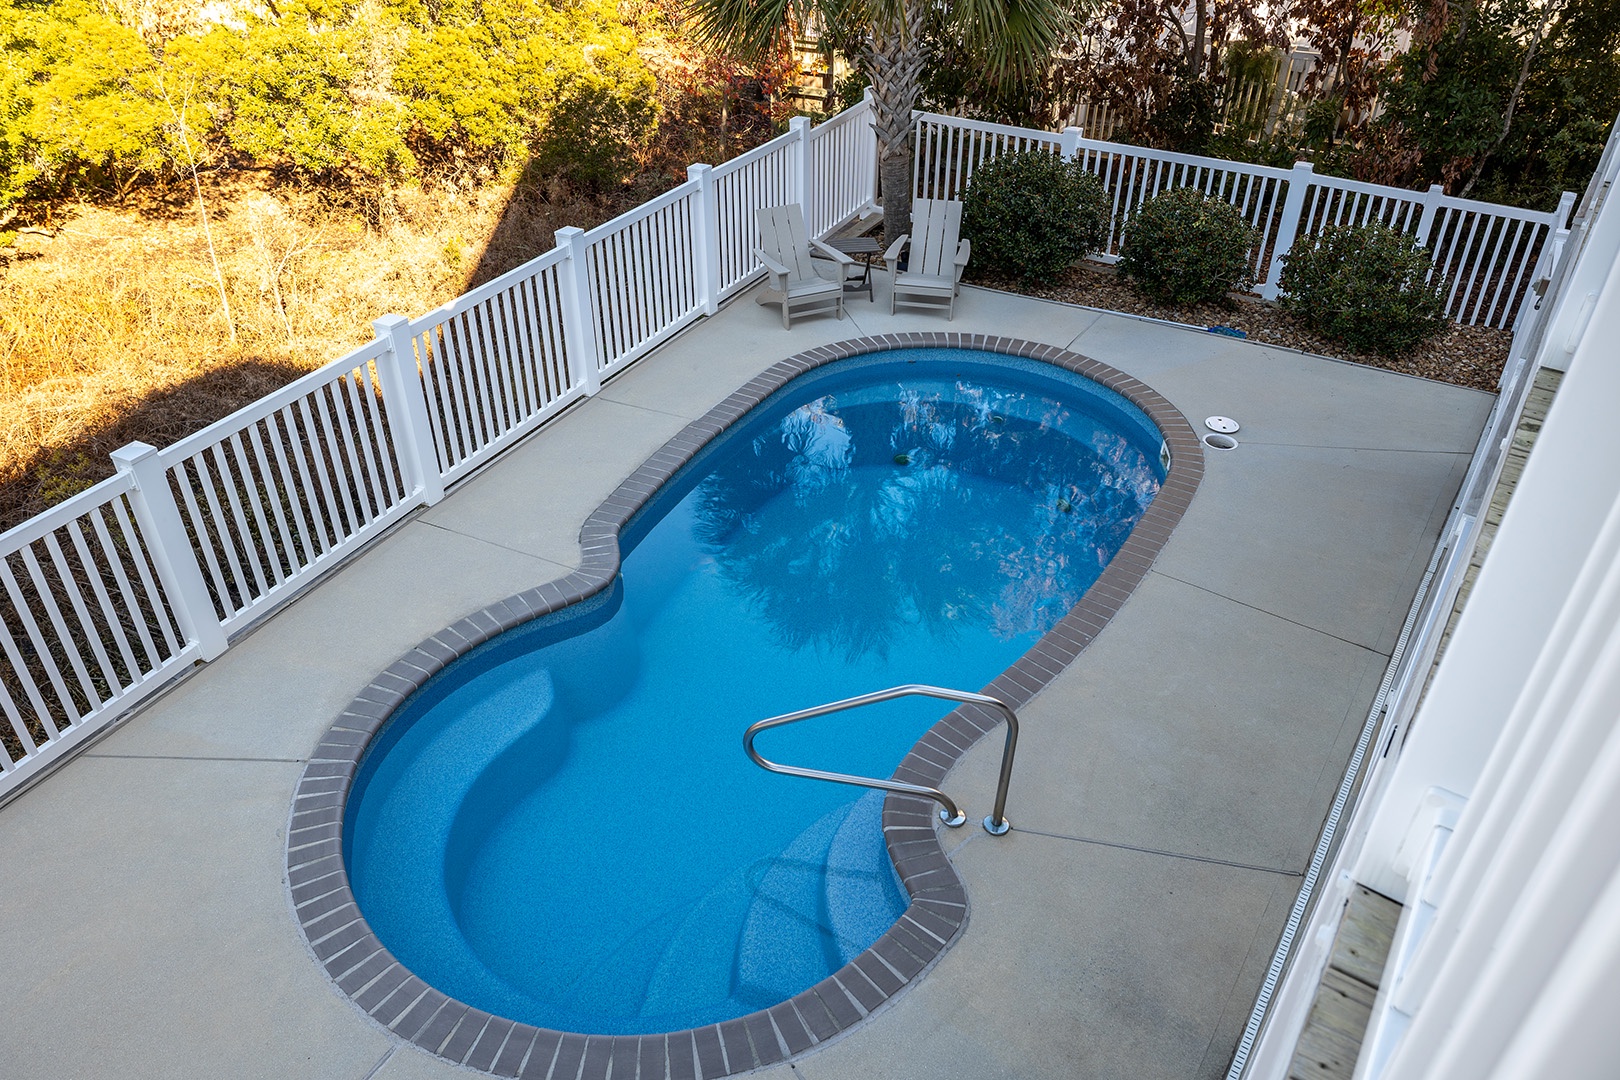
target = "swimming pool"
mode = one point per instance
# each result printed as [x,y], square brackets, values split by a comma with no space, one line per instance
[915,518]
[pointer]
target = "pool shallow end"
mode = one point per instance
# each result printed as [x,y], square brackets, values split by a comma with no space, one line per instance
[365,972]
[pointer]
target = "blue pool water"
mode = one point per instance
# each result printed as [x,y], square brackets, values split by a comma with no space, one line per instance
[561,827]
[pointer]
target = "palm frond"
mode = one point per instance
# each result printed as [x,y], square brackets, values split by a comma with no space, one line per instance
[745,28]
[1016,37]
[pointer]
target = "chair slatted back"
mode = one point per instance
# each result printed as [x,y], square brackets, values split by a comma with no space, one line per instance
[936,225]
[782,237]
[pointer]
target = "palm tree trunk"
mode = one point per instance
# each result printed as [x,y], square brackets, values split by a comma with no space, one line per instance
[896,61]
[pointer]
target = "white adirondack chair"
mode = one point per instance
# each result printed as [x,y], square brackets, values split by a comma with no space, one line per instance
[933,273]
[805,274]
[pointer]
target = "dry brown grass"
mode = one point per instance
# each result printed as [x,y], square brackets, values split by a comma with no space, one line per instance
[113,330]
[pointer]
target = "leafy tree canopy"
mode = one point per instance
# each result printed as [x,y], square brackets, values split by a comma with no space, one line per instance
[340,93]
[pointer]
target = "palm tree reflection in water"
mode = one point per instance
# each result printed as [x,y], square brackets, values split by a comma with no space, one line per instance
[918,507]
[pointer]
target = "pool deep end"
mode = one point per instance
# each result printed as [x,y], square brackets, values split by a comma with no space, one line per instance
[356,959]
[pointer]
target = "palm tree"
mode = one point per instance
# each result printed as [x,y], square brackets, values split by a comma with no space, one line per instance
[1014,37]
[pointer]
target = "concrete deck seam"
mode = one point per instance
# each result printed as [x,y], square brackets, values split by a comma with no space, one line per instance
[377,1068]
[1273,614]
[604,395]
[1368,449]
[503,547]
[1121,846]
[1255,941]
[196,757]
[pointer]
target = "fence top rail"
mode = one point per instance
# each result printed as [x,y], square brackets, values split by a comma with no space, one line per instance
[1385,191]
[1192,160]
[14,539]
[685,190]
[474,297]
[1032,134]
[843,119]
[757,154]
[1363,187]
[1553,218]
[248,415]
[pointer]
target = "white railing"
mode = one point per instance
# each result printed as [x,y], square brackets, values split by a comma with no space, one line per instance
[273,494]
[768,175]
[644,276]
[118,590]
[93,623]
[1484,252]
[842,168]
[494,363]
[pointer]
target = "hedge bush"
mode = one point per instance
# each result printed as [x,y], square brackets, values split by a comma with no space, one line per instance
[1365,286]
[1031,215]
[1185,247]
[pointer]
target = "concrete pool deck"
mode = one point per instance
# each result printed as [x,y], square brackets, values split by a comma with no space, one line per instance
[1169,788]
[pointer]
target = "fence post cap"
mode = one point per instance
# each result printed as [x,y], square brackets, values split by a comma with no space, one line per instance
[798,123]
[1304,166]
[131,454]
[695,170]
[383,324]
[566,234]
[868,94]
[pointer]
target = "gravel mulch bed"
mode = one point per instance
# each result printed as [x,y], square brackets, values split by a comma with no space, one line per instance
[1470,356]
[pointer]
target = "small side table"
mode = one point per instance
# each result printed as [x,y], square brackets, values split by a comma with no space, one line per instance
[865,248]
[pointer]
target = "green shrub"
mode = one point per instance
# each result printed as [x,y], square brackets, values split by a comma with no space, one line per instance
[1365,286]
[1185,247]
[1031,215]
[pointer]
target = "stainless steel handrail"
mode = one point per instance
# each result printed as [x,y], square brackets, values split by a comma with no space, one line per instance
[996,824]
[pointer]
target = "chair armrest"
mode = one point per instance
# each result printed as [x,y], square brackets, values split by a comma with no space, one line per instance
[770,264]
[895,248]
[963,250]
[827,251]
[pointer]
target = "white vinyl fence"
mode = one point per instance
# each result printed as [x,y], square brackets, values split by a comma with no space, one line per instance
[115,592]
[110,595]
[1484,252]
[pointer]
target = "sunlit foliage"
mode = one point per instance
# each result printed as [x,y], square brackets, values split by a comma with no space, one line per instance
[346,95]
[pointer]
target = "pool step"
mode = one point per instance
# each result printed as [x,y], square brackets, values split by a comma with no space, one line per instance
[784,946]
[616,985]
[803,913]
[864,897]
[694,971]
[701,965]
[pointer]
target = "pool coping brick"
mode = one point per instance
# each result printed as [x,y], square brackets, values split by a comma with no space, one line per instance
[342,941]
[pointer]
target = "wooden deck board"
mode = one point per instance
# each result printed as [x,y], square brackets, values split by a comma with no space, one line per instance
[1329,1044]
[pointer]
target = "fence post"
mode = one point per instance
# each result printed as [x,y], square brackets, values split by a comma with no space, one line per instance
[869,159]
[1288,227]
[706,252]
[1431,210]
[1560,217]
[408,423]
[1069,142]
[170,546]
[803,182]
[579,329]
